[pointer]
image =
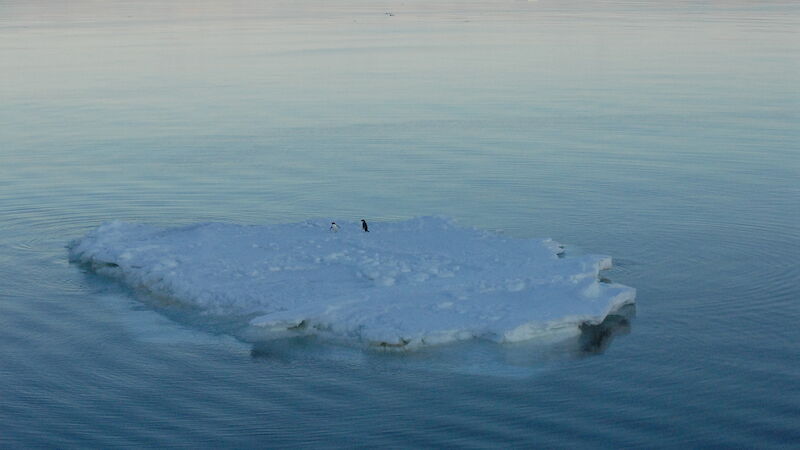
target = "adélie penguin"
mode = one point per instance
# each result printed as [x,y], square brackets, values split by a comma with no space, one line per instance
[364,226]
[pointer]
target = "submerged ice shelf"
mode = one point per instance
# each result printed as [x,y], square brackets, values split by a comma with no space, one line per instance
[411,283]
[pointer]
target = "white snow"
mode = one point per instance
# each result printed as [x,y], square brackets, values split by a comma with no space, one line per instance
[407,284]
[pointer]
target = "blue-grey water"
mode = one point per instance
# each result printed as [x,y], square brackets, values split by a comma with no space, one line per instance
[665,134]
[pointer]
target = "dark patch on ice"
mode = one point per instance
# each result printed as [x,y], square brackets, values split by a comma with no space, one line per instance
[389,345]
[300,326]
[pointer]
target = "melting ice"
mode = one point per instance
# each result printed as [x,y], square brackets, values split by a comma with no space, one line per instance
[412,283]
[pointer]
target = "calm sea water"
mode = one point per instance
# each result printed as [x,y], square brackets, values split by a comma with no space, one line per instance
[662,133]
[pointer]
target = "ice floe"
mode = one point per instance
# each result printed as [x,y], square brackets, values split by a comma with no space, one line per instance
[411,283]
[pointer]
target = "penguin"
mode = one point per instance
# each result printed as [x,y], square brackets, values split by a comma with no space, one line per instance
[364,226]
[334,227]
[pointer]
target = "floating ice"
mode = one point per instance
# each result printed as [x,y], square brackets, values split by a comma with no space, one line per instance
[412,283]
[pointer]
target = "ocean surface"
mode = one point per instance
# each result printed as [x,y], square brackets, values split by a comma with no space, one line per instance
[664,134]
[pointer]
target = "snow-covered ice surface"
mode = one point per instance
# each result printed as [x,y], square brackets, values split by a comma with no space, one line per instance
[412,283]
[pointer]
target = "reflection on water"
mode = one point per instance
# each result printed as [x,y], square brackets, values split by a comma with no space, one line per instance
[595,338]
[282,349]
